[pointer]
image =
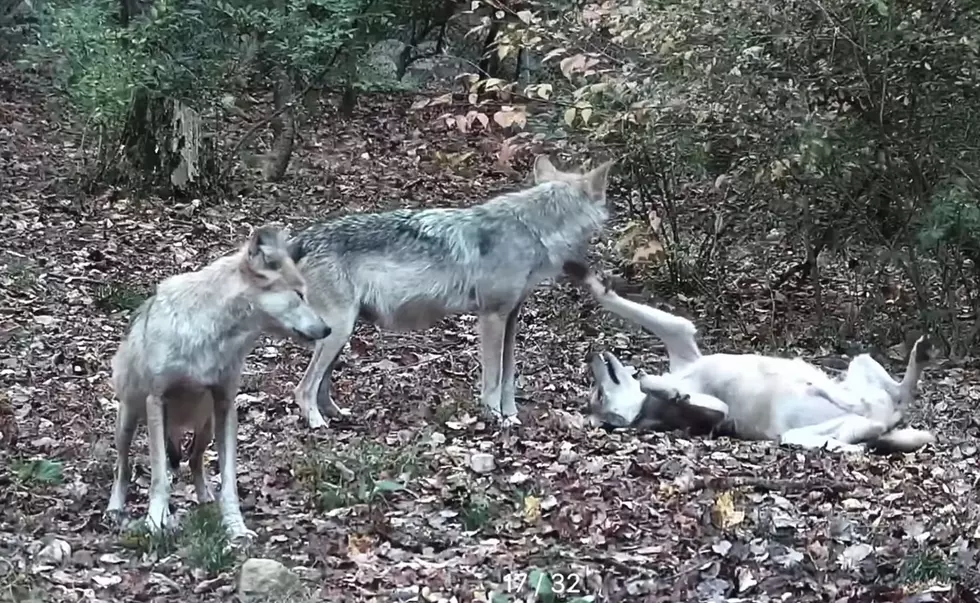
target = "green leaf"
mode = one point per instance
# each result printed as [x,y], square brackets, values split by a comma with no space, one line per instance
[541,583]
[40,472]
[384,485]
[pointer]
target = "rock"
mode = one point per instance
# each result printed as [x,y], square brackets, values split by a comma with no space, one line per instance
[54,552]
[482,462]
[264,577]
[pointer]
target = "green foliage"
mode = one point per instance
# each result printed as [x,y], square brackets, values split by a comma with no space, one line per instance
[954,220]
[39,472]
[842,121]
[925,565]
[361,473]
[205,540]
[114,297]
[198,55]
[202,540]
[140,539]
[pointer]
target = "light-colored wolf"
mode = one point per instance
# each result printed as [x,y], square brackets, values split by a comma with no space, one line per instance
[406,269]
[751,396]
[179,367]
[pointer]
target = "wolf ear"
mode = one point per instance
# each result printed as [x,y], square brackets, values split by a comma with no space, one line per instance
[597,180]
[262,244]
[544,170]
[263,237]
[295,250]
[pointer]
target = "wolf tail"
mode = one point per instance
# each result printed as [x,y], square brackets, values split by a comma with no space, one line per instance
[901,440]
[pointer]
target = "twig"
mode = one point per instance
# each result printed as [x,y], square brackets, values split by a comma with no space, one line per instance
[772,485]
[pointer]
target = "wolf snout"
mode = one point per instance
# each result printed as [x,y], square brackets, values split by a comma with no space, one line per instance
[321,331]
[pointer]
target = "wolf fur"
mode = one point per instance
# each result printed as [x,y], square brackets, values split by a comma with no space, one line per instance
[752,396]
[179,367]
[406,269]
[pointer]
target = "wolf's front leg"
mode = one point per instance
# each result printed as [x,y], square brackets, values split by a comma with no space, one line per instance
[677,333]
[158,515]
[508,401]
[126,422]
[226,436]
[492,329]
[923,353]
[313,390]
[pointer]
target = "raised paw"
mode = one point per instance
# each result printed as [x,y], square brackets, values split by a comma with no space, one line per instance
[923,351]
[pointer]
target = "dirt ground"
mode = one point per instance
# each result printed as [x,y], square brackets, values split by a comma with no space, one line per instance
[610,516]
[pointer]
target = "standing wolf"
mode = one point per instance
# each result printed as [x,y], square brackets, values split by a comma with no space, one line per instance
[180,365]
[752,396]
[406,269]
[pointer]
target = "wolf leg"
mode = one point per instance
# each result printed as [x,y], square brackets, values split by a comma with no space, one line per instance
[921,356]
[508,402]
[158,515]
[677,333]
[838,433]
[202,437]
[313,392]
[492,329]
[226,437]
[126,422]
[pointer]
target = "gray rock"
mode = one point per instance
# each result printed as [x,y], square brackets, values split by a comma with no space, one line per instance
[261,578]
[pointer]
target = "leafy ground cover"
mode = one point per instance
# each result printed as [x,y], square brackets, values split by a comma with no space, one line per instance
[386,506]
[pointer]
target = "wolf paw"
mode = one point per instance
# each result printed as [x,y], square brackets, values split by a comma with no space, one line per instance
[158,519]
[511,421]
[238,534]
[923,350]
[114,516]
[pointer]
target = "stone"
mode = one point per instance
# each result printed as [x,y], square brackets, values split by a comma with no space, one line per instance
[482,462]
[264,577]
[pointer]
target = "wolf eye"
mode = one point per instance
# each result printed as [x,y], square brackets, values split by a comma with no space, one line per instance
[302,297]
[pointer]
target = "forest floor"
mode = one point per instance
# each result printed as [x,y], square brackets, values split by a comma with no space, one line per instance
[611,516]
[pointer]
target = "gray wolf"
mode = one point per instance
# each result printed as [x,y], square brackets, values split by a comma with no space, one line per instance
[179,367]
[406,269]
[751,396]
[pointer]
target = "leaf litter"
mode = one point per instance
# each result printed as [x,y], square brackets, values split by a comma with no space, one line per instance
[414,497]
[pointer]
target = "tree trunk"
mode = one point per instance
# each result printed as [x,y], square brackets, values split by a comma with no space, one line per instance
[284,130]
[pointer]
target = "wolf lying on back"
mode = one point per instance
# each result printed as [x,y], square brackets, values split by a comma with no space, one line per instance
[180,365]
[752,396]
[406,269]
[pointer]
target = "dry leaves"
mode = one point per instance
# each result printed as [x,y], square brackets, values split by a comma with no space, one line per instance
[643,518]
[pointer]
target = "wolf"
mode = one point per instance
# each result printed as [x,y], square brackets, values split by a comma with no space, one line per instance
[751,396]
[179,367]
[406,269]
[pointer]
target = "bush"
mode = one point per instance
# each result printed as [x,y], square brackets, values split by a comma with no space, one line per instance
[838,123]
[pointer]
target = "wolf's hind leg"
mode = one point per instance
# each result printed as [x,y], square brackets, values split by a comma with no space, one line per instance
[838,433]
[313,392]
[127,420]
[677,333]
[493,331]
[202,437]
